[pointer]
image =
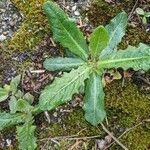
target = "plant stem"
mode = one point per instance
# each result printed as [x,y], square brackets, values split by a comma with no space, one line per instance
[36,110]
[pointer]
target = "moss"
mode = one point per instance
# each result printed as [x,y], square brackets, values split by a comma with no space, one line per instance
[126,107]
[33,28]
[100,13]
[131,107]
[137,139]
[129,100]
[73,124]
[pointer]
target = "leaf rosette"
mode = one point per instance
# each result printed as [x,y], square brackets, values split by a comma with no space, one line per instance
[90,61]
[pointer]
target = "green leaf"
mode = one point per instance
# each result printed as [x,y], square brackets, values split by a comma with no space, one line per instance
[62,89]
[29,98]
[7,87]
[116,30]
[14,83]
[140,11]
[23,106]
[98,41]
[94,100]
[60,63]
[147,14]
[26,137]
[144,20]
[7,119]
[132,57]
[19,94]
[12,104]
[65,30]
[3,94]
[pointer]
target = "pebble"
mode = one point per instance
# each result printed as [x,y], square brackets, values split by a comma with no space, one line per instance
[77,13]
[10,19]
[74,7]
[2,37]
[8,141]
[55,114]
[101,144]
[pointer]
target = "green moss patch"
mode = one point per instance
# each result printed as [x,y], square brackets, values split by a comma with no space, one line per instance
[33,28]
[100,13]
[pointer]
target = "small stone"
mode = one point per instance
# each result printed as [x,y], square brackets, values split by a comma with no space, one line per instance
[101,144]
[5,33]
[8,141]
[55,114]
[2,37]
[2,10]
[77,13]
[74,8]
[12,23]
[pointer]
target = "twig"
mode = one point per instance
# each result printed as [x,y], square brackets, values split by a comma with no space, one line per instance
[72,137]
[115,139]
[37,71]
[146,120]
[132,10]
[75,145]
[47,117]
[53,43]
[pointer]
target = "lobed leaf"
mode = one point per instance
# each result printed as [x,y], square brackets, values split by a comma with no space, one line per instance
[23,106]
[94,100]
[7,119]
[19,94]
[133,57]
[12,104]
[98,41]
[14,83]
[62,89]
[26,137]
[65,30]
[60,63]
[3,94]
[29,98]
[116,30]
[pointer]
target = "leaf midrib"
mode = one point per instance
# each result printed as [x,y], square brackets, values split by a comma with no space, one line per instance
[57,92]
[68,64]
[95,90]
[80,48]
[121,60]
[113,33]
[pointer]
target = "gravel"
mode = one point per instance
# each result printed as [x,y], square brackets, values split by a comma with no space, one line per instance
[10,19]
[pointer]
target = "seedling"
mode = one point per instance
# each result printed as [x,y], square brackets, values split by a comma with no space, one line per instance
[84,69]
[20,113]
[89,62]
[143,14]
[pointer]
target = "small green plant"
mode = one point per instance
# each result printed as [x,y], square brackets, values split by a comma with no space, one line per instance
[88,62]
[144,15]
[84,69]
[20,113]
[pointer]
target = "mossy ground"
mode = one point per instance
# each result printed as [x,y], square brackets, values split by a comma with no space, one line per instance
[33,28]
[126,107]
